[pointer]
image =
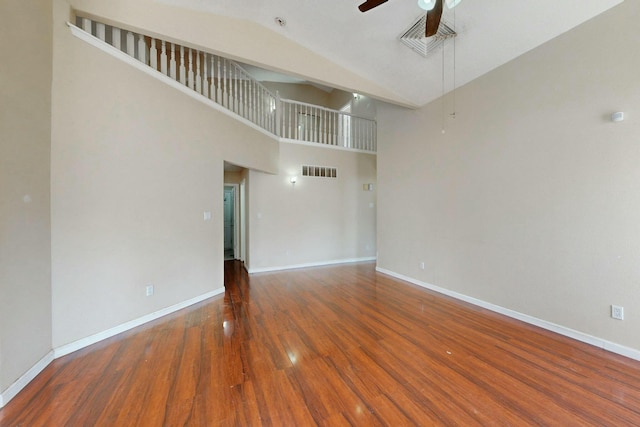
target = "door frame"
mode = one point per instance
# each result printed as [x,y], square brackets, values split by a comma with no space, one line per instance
[237,243]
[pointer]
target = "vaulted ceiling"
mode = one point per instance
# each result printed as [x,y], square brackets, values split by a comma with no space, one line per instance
[490,33]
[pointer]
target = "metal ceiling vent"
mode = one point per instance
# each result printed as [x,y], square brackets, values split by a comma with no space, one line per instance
[415,39]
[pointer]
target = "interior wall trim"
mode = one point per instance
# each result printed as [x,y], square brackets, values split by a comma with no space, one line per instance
[25,379]
[92,339]
[310,264]
[559,329]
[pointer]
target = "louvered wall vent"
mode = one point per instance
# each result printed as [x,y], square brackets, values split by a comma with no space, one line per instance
[415,39]
[319,171]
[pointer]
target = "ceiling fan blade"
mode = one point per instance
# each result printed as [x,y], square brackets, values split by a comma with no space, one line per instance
[370,4]
[433,19]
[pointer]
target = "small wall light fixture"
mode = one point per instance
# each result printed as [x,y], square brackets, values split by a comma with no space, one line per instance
[293,180]
[617,117]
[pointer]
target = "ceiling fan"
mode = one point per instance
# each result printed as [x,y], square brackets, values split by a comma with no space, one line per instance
[433,8]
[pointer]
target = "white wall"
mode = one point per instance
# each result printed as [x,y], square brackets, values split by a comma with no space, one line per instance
[135,163]
[530,199]
[316,220]
[25,231]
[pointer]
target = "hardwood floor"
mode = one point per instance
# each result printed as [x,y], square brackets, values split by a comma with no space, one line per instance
[332,346]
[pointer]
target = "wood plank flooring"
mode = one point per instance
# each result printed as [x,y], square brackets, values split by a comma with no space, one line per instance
[332,346]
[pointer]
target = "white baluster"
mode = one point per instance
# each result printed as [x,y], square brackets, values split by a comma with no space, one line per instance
[238,91]
[263,108]
[256,102]
[235,89]
[153,55]
[198,76]
[232,84]
[261,104]
[212,71]
[101,31]
[142,49]
[205,81]
[219,87]
[172,62]
[329,132]
[297,117]
[354,132]
[330,127]
[323,132]
[365,134]
[279,115]
[315,116]
[305,135]
[251,101]
[183,71]
[351,139]
[115,38]
[190,76]
[290,133]
[131,44]
[163,57]
[86,25]
[292,121]
[243,95]
[225,94]
[241,82]
[372,135]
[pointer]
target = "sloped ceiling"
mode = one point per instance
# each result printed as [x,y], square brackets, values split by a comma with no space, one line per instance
[491,33]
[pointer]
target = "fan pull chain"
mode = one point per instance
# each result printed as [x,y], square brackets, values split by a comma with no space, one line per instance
[455,36]
[442,98]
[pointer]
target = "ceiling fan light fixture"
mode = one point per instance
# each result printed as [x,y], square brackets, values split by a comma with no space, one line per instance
[452,3]
[427,4]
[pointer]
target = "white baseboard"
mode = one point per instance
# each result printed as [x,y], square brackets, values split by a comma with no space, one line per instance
[562,330]
[17,386]
[310,264]
[84,342]
[25,379]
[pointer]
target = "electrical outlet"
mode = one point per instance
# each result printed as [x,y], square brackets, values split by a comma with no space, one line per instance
[422,266]
[149,290]
[617,312]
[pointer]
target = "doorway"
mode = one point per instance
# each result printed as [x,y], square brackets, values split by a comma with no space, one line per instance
[230,222]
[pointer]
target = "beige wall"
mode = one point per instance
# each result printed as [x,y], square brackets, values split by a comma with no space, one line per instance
[299,92]
[317,219]
[233,177]
[135,163]
[25,232]
[530,199]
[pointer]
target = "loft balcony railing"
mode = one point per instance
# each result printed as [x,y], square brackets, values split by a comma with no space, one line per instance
[306,122]
[227,84]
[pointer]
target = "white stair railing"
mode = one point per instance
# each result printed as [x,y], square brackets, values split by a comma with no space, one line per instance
[226,83]
[307,122]
[219,79]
